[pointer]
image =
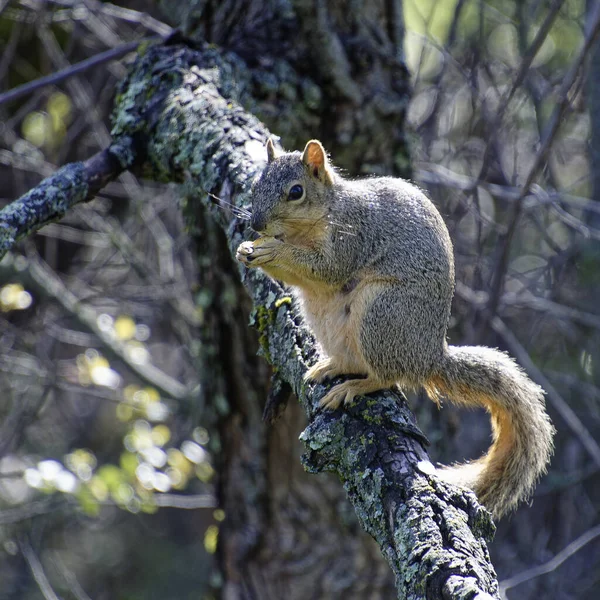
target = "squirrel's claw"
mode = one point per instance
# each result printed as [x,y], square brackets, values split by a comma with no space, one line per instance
[347,391]
[244,252]
[342,393]
[332,400]
[325,368]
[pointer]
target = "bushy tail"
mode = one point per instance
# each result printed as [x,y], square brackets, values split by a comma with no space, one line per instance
[522,431]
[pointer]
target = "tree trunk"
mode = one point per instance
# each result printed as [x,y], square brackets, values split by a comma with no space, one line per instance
[374,447]
[331,70]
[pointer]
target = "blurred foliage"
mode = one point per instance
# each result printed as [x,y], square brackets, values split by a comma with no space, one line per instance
[97,465]
[48,129]
[14,297]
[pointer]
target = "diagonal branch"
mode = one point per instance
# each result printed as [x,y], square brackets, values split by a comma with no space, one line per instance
[195,131]
[40,277]
[80,67]
[37,569]
[548,136]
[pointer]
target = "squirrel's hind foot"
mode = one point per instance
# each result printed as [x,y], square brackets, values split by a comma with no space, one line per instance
[347,391]
[327,368]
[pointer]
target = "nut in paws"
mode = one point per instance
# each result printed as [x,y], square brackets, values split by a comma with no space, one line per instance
[244,252]
[259,252]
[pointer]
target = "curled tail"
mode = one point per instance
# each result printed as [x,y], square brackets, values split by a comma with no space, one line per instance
[521,430]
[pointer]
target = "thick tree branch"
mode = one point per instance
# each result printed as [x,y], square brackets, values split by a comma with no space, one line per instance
[431,534]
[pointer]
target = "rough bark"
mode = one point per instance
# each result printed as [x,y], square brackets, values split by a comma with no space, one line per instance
[332,70]
[49,201]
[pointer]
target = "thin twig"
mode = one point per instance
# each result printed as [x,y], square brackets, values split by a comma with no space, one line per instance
[37,570]
[45,278]
[549,133]
[531,53]
[70,579]
[558,402]
[117,12]
[185,502]
[28,511]
[551,565]
[179,302]
[80,67]
[79,88]
[556,310]
[433,174]
[134,16]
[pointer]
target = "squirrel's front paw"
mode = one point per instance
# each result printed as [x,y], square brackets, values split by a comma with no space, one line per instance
[261,251]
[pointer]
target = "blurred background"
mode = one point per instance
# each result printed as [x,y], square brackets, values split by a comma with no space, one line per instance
[109,455]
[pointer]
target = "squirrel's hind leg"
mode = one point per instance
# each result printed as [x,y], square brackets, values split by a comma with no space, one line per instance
[346,391]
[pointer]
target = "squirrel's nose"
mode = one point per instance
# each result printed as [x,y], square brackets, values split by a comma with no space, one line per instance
[258,222]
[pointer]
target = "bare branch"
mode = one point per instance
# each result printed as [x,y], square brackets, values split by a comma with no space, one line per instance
[78,592]
[44,278]
[28,511]
[553,563]
[185,502]
[433,174]
[528,300]
[76,69]
[546,142]
[37,570]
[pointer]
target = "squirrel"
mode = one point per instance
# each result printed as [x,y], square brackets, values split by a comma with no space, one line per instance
[372,263]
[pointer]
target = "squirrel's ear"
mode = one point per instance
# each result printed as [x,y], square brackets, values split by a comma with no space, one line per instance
[272,153]
[315,159]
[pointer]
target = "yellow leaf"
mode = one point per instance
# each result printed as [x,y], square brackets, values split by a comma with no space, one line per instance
[211,537]
[36,128]
[161,434]
[124,327]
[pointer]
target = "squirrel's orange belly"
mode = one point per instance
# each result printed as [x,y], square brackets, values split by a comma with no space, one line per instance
[331,320]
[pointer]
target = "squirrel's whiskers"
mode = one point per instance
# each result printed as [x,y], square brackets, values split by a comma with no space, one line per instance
[237,211]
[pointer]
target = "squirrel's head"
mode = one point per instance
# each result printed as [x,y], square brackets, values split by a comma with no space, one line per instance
[291,197]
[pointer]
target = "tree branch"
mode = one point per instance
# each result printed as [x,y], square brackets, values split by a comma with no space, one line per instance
[55,195]
[40,277]
[432,534]
[80,67]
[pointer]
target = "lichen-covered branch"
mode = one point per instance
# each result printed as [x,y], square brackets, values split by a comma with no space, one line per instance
[182,105]
[55,195]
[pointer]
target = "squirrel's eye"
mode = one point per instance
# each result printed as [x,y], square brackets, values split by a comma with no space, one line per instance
[296,192]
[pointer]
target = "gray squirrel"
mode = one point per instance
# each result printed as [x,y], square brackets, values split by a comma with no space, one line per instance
[373,266]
